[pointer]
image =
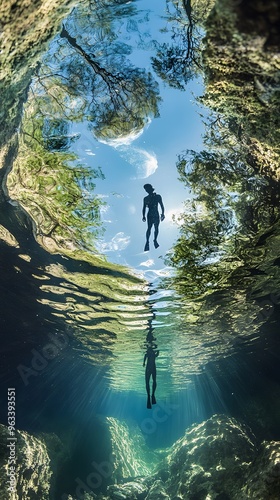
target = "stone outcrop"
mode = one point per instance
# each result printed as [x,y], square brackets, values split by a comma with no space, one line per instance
[131,456]
[36,465]
[260,17]
[264,478]
[211,459]
[218,459]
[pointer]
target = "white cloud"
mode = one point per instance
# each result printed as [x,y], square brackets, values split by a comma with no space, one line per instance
[147,263]
[144,163]
[154,274]
[125,140]
[100,195]
[147,165]
[103,209]
[119,242]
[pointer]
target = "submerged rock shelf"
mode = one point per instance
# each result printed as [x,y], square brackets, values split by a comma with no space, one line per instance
[218,459]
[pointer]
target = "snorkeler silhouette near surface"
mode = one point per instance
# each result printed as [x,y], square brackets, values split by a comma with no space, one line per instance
[151,371]
[151,202]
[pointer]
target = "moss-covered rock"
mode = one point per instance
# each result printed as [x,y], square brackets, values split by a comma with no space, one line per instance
[211,459]
[264,481]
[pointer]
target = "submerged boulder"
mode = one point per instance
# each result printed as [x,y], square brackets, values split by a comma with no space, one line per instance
[133,490]
[211,459]
[264,479]
[158,492]
[218,459]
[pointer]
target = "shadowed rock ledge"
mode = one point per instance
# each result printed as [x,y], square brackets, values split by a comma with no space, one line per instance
[218,459]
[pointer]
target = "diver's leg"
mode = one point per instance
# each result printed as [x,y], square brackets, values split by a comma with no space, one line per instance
[154,375]
[148,234]
[147,377]
[156,234]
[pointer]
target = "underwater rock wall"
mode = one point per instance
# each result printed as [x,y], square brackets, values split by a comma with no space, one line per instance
[264,478]
[35,465]
[127,448]
[218,459]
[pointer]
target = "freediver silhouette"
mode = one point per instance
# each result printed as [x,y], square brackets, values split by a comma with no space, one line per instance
[151,371]
[151,202]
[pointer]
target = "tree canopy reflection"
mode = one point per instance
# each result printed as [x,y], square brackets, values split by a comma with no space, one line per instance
[52,186]
[86,76]
[179,61]
[89,76]
[226,257]
[234,178]
[230,207]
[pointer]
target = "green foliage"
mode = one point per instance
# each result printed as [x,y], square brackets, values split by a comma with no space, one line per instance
[242,80]
[236,199]
[87,74]
[55,135]
[171,66]
[56,190]
[231,206]
[177,63]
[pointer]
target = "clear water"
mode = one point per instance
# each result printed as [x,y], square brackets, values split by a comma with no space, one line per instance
[77,325]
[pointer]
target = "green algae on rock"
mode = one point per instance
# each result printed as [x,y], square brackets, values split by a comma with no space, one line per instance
[229,232]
